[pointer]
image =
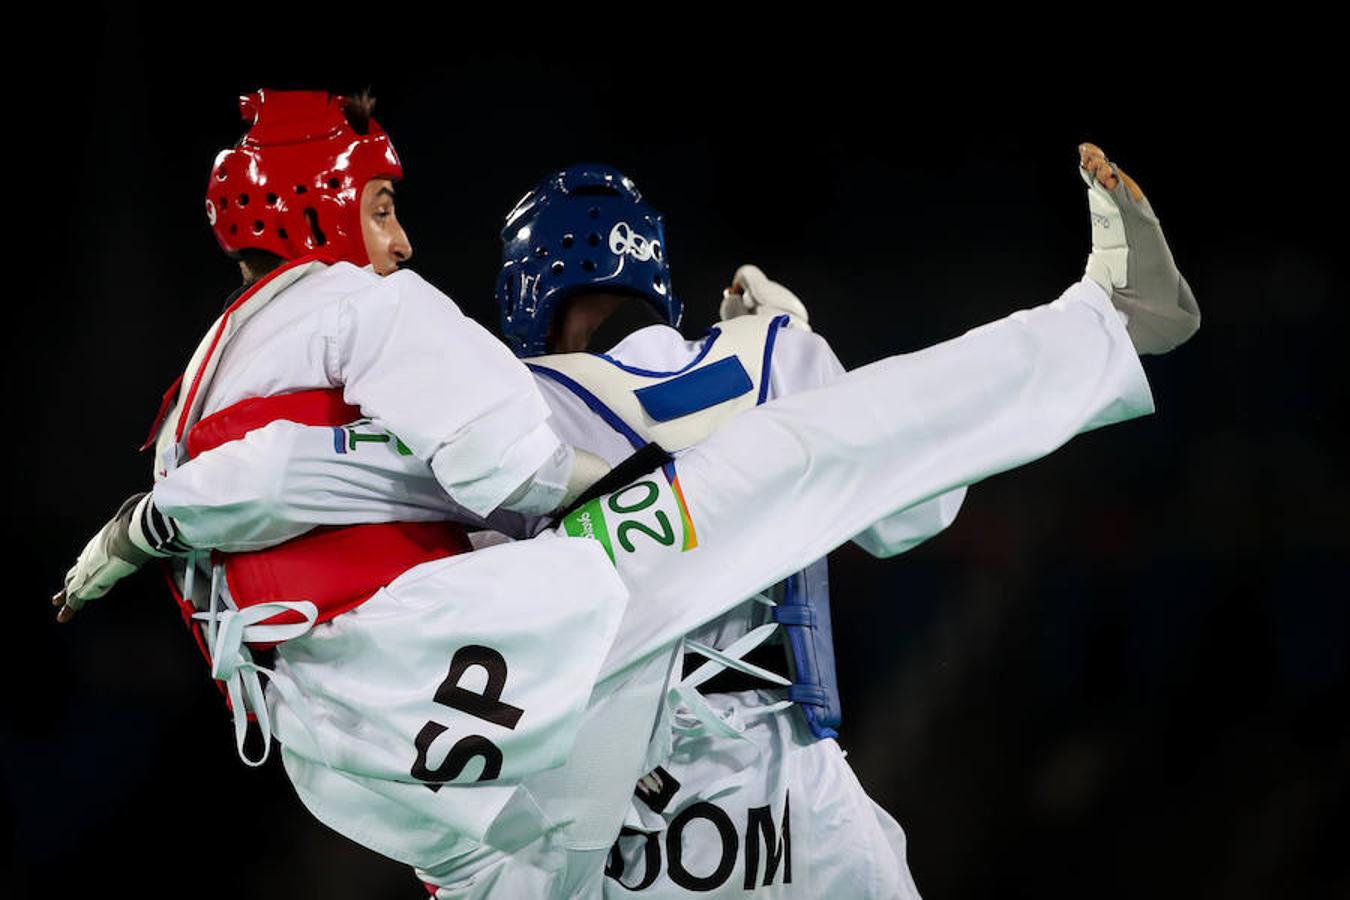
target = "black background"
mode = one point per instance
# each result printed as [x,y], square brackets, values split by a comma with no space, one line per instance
[1122,672]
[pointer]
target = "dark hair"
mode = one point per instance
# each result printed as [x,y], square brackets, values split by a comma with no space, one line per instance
[257,263]
[358,108]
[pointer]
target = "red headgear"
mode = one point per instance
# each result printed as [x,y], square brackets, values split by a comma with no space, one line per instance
[292,185]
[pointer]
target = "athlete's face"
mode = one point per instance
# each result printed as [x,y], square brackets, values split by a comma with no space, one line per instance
[386,243]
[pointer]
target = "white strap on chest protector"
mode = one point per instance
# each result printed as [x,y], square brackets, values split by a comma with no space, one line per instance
[703,717]
[232,663]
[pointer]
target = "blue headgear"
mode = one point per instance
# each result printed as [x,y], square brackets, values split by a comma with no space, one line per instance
[585,227]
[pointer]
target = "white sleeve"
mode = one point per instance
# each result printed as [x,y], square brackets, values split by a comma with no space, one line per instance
[785,483]
[408,356]
[906,529]
[804,361]
[279,481]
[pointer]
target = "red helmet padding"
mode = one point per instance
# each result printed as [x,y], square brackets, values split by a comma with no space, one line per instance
[292,185]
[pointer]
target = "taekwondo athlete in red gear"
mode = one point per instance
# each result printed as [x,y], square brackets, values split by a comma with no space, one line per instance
[947,406]
[314,325]
[310,192]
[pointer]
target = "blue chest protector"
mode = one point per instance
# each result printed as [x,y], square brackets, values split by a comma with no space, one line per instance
[731,373]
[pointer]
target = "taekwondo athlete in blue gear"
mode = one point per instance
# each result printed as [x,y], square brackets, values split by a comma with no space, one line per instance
[554,246]
[586,229]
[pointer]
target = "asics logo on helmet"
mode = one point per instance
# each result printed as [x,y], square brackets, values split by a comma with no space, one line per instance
[623,240]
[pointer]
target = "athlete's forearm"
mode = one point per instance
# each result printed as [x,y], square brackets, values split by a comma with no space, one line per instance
[284,479]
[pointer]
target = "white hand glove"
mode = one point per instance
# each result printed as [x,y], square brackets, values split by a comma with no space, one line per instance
[1130,260]
[752,293]
[118,549]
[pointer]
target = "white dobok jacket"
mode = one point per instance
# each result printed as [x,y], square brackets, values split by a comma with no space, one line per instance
[588,633]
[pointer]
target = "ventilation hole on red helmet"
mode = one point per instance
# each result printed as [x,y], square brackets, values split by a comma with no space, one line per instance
[567,240]
[593,239]
[281,233]
[313,219]
[557,268]
[271,199]
[224,202]
[334,183]
[243,199]
[300,188]
[220,174]
[257,226]
[588,265]
[234,229]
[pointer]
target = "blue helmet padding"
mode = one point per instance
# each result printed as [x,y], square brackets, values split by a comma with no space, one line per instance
[585,227]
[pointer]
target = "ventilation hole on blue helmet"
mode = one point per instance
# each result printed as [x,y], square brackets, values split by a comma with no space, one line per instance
[557,268]
[313,219]
[271,199]
[656,251]
[656,283]
[300,188]
[588,265]
[593,239]
[257,226]
[281,233]
[594,213]
[243,199]
[596,190]
[334,183]
[567,240]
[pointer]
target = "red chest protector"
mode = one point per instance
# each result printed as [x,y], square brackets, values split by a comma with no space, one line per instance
[334,567]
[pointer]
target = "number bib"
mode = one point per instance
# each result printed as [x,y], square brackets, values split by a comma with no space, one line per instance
[647,518]
[648,533]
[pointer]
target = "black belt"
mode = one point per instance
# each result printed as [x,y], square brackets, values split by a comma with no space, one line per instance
[770,656]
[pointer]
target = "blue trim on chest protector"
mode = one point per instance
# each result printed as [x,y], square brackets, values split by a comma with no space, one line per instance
[804,615]
[803,612]
[695,391]
[708,340]
[597,406]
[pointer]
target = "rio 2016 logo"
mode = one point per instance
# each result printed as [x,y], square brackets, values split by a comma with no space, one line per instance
[623,240]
